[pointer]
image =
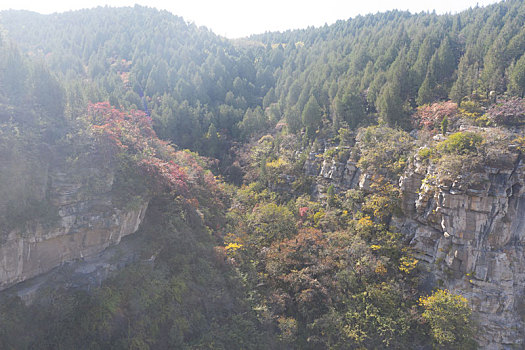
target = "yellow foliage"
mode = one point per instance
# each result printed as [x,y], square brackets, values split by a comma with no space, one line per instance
[449,317]
[520,141]
[232,247]
[443,295]
[276,45]
[318,216]
[365,222]
[407,264]
[278,163]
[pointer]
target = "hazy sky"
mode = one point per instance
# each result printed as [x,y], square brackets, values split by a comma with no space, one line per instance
[236,18]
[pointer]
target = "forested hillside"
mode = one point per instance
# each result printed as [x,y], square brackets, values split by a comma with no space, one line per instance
[302,234]
[203,91]
[196,85]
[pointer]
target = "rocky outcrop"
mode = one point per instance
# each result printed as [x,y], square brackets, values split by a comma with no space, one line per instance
[82,273]
[342,175]
[86,221]
[470,234]
[467,231]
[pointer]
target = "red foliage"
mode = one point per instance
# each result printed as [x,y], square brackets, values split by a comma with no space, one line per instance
[131,134]
[303,211]
[302,269]
[431,116]
[508,112]
[168,174]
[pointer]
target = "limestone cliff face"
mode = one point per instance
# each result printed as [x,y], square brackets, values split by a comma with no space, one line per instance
[86,222]
[468,233]
[471,238]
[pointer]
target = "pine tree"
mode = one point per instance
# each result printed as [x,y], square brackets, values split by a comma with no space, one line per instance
[517,77]
[390,106]
[424,94]
[312,115]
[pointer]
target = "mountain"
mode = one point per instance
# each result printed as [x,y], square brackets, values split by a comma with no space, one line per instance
[357,185]
[380,66]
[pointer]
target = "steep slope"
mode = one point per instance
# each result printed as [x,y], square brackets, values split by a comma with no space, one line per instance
[469,232]
[392,62]
[75,220]
[312,256]
[110,177]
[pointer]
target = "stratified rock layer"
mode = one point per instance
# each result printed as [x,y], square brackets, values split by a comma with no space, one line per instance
[471,234]
[87,222]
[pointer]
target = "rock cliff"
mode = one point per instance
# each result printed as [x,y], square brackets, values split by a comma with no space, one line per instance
[84,221]
[470,236]
[342,175]
[467,232]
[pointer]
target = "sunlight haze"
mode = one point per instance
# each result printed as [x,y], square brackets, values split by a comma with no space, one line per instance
[238,18]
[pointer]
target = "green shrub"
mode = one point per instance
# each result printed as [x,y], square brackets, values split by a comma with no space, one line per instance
[384,151]
[461,143]
[449,318]
[424,153]
[473,112]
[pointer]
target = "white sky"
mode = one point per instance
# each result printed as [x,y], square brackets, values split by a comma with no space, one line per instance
[237,18]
